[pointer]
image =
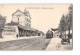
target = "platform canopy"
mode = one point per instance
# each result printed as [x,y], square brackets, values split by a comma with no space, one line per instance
[54,29]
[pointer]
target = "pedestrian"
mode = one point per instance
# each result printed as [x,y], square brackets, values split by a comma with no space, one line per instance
[17,36]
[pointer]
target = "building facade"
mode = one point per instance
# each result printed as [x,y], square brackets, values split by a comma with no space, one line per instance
[22,18]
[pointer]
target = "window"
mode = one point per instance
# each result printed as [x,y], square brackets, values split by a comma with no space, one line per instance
[18,15]
[18,19]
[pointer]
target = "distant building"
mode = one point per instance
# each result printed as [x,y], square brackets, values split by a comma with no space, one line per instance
[55,32]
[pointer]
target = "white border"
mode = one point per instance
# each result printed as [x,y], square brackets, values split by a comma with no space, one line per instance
[35,1]
[76,28]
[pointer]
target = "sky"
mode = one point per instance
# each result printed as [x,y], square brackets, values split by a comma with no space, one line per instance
[44,16]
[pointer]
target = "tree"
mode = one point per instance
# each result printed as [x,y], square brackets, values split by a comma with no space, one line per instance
[2,22]
[66,22]
[69,20]
[63,25]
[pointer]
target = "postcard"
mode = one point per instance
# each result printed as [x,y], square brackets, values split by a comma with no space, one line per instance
[36,26]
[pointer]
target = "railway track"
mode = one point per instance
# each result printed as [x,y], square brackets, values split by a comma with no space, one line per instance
[39,43]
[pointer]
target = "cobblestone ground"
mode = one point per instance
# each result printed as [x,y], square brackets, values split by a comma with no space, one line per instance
[39,43]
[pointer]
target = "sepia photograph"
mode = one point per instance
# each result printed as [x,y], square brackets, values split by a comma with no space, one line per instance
[36,27]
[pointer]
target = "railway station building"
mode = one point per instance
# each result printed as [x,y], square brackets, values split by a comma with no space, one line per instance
[20,25]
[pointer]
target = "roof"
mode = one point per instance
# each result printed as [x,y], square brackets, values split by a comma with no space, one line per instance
[17,11]
[20,26]
[54,29]
[25,13]
[26,28]
[12,23]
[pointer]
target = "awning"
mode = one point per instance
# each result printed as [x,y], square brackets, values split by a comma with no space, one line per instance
[26,28]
